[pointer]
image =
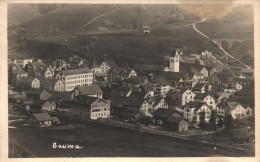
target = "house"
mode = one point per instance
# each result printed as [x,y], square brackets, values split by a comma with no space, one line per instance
[137,81]
[27,83]
[60,64]
[76,77]
[201,88]
[85,107]
[37,94]
[186,95]
[15,72]
[42,120]
[59,86]
[161,115]
[92,91]
[21,61]
[107,65]
[160,85]
[156,103]
[43,105]
[101,77]
[228,87]
[194,109]
[176,124]
[135,104]
[226,75]
[236,110]
[198,69]
[120,72]
[61,99]
[207,98]
[40,70]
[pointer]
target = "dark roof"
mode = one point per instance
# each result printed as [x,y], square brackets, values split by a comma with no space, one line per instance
[149,67]
[200,96]
[136,99]
[43,117]
[195,104]
[117,101]
[18,69]
[136,80]
[164,113]
[199,86]
[160,80]
[34,91]
[86,100]
[39,103]
[90,90]
[60,96]
[25,79]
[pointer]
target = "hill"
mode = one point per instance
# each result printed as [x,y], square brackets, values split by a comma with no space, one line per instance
[21,13]
[244,51]
[237,24]
[74,17]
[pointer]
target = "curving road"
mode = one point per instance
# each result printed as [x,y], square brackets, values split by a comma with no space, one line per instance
[220,47]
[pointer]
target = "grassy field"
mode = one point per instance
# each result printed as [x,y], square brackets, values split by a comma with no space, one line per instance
[132,46]
[104,142]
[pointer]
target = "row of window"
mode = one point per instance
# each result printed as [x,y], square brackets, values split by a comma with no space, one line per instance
[80,76]
[80,81]
[99,114]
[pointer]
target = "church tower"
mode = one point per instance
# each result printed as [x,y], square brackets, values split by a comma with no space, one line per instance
[175,61]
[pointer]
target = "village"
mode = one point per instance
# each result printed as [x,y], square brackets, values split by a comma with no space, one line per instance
[191,94]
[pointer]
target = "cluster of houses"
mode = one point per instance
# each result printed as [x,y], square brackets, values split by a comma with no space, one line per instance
[174,95]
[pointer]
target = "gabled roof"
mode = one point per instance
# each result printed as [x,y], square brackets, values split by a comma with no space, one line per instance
[136,99]
[18,69]
[43,117]
[111,63]
[199,86]
[160,80]
[164,113]
[195,104]
[232,105]
[40,103]
[136,80]
[39,66]
[87,100]
[25,80]
[201,96]
[90,90]
[34,91]
[60,96]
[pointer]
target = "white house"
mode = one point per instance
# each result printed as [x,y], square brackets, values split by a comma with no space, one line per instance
[90,107]
[59,86]
[207,99]
[193,110]
[76,77]
[186,96]
[36,83]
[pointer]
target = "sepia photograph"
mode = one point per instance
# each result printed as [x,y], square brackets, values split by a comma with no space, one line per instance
[130,80]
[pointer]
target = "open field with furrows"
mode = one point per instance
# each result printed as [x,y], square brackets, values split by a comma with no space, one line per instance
[104,141]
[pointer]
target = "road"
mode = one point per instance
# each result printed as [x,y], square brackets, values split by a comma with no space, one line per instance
[220,47]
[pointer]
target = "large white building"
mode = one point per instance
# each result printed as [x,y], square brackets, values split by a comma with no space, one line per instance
[76,77]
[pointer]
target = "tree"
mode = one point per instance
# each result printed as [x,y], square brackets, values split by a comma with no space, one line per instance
[202,117]
[228,121]
[213,120]
[220,122]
